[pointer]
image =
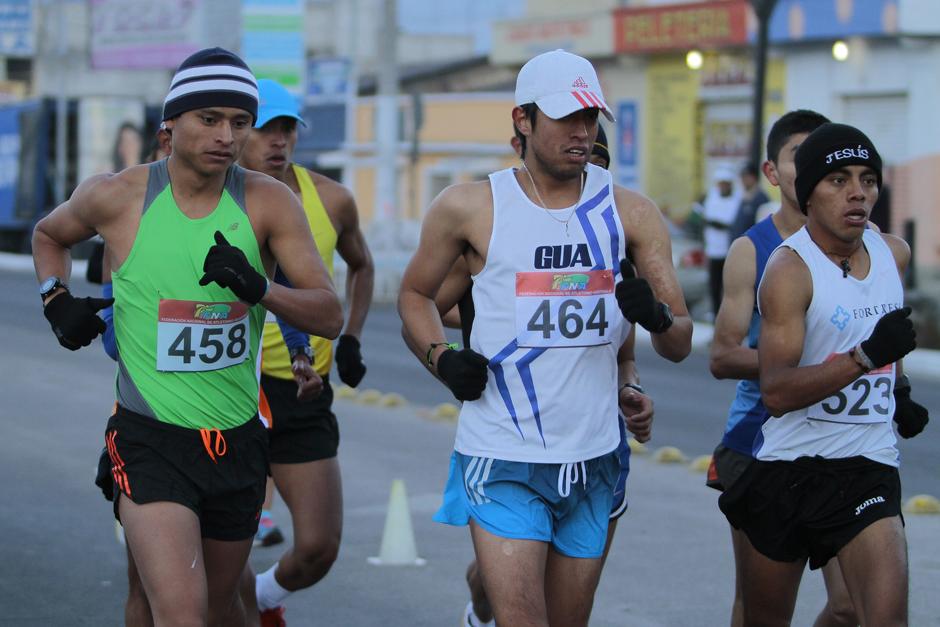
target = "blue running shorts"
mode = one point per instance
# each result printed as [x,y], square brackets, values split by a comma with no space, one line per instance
[566,505]
[619,506]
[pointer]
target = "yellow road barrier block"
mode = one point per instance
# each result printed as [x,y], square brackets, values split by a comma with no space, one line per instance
[701,463]
[344,391]
[670,455]
[446,411]
[393,400]
[637,448]
[370,397]
[922,504]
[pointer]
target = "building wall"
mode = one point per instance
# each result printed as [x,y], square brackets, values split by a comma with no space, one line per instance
[890,91]
[463,138]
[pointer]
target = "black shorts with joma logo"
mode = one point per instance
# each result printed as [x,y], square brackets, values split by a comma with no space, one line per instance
[810,507]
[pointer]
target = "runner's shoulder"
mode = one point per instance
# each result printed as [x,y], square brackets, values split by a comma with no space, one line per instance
[112,192]
[333,194]
[463,200]
[742,252]
[785,268]
[260,184]
[635,207]
[900,249]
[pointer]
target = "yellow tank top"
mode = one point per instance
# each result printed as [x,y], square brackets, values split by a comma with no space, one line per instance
[275,361]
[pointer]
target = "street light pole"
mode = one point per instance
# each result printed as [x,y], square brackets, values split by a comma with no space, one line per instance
[61,103]
[763,9]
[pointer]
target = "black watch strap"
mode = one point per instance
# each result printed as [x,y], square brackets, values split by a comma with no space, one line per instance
[50,285]
[635,386]
[667,318]
[294,351]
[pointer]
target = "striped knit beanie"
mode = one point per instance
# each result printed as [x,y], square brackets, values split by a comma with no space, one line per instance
[212,77]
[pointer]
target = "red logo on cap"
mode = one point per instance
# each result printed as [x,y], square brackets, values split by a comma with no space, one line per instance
[580,84]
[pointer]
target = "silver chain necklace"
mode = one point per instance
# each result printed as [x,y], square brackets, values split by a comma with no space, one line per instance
[545,207]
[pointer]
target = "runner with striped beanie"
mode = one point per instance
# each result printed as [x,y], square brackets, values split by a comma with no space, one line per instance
[212,77]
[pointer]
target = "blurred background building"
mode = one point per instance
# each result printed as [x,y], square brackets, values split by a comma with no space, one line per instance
[405,97]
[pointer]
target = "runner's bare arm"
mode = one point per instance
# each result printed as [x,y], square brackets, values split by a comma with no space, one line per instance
[311,305]
[785,294]
[637,407]
[443,239]
[92,204]
[729,358]
[351,246]
[651,249]
[901,252]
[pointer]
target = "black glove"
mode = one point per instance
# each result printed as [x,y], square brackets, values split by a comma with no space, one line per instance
[349,360]
[73,319]
[103,479]
[227,265]
[464,372]
[637,302]
[892,339]
[95,267]
[911,417]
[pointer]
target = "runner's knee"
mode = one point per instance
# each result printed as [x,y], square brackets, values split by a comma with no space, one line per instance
[318,550]
[841,612]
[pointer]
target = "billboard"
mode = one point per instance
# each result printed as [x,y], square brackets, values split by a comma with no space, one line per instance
[681,26]
[273,41]
[143,34]
[111,135]
[16,28]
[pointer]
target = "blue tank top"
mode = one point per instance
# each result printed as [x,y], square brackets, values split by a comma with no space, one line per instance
[747,412]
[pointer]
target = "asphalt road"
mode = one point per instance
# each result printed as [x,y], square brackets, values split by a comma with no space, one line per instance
[60,564]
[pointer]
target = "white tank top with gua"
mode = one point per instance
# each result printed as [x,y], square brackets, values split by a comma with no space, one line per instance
[547,320]
[843,312]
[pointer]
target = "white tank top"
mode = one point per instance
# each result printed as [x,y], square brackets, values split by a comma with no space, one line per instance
[843,312]
[547,319]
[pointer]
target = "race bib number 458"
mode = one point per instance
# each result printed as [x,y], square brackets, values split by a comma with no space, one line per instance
[195,336]
[555,309]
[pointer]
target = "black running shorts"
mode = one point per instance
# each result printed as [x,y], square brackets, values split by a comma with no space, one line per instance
[219,474]
[726,467]
[301,431]
[810,507]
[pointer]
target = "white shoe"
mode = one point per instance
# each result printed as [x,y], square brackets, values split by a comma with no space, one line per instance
[470,619]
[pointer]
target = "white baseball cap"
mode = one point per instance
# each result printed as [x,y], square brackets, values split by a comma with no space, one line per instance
[560,83]
[723,173]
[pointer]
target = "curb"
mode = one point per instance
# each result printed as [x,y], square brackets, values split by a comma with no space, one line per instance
[24,263]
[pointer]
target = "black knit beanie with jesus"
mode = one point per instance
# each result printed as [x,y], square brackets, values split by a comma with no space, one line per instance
[829,148]
[213,77]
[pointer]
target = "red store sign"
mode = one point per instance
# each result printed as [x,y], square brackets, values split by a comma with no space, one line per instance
[680,27]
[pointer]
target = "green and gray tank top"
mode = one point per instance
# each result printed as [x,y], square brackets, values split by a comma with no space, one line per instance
[187,353]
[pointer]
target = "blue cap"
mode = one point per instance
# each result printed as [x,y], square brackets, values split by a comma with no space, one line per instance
[276,102]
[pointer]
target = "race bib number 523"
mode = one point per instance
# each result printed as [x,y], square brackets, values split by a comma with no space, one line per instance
[195,336]
[555,309]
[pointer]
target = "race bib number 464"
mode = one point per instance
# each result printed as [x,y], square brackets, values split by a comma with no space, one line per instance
[195,336]
[555,309]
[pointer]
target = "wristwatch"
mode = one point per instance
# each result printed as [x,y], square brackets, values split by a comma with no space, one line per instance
[634,386]
[294,351]
[50,285]
[902,383]
[667,318]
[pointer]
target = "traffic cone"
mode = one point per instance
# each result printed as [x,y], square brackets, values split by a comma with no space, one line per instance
[398,539]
